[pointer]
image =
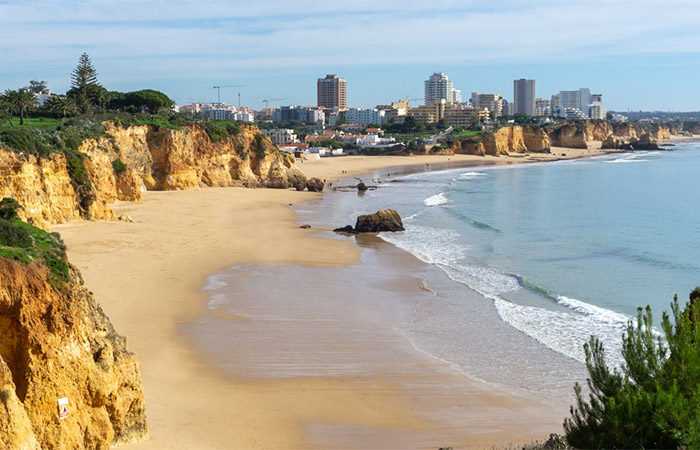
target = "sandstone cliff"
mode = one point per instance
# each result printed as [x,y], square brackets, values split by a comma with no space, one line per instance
[55,343]
[155,158]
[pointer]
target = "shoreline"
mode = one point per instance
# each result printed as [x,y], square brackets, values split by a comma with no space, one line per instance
[147,274]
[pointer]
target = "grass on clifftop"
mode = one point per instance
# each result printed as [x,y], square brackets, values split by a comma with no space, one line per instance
[25,243]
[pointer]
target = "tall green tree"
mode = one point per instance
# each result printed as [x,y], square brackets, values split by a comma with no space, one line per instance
[61,105]
[21,100]
[37,86]
[654,400]
[84,76]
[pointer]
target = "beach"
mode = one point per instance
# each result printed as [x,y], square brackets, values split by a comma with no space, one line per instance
[148,277]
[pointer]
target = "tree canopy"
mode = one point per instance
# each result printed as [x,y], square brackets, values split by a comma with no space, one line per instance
[654,400]
[84,75]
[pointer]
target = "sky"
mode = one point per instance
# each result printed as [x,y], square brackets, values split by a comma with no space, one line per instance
[641,55]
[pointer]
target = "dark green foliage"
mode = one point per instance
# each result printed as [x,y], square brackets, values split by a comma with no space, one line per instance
[259,146]
[8,208]
[145,100]
[84,76]
[12,236]
[220,129]
[23,242]
[654,401]
[233,129]
[118,165]
[37,87]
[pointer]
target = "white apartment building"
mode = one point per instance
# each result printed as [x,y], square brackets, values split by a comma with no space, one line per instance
[543,107]
[579,99]
[440,87]
[365,116]
[281,136]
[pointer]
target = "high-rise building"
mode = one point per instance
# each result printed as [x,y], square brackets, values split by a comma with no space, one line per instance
[524,97]
[491,102]
[332,92]
[440,87]
[579,99]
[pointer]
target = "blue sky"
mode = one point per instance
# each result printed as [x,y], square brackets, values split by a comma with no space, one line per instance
[638,54]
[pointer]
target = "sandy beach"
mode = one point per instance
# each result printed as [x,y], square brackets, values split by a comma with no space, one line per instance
[148,276]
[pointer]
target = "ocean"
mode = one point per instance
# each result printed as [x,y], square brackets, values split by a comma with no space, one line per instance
[524,262]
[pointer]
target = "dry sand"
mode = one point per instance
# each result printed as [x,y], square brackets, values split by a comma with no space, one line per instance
[147,276]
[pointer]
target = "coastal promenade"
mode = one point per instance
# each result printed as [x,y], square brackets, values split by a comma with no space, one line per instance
[148,275]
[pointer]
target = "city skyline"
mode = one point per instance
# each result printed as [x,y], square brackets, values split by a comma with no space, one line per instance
[640,55]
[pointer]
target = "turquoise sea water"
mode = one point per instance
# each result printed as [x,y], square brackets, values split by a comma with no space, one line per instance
[563,249]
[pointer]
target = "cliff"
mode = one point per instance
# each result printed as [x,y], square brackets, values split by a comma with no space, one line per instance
[155,159]
[55,342]
[533,138]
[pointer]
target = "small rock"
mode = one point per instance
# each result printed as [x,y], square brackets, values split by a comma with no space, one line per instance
[361,186]
[125,218]
[305,226]
[346,229]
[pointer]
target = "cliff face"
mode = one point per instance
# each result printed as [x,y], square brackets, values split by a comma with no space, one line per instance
[573,135]
[57,343]
[158,159]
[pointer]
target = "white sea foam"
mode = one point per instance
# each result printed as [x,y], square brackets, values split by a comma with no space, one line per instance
[563,332]
[431,245]
[469,175]
[435,200]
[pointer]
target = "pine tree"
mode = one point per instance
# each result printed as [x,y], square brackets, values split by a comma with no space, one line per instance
[654,400]
[84,76]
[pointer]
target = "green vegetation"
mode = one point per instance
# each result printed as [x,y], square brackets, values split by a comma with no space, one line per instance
[654,400]
[462,133]
[221,129]
[23,242]
[118,165]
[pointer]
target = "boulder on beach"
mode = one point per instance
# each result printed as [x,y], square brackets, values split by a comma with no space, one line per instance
[382,220]
[314,184]
[361,186]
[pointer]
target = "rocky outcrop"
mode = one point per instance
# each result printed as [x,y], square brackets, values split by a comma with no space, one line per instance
[155,158]
[536,139]
[314,184]
[644,142]
[382,220]
[572,135]
[55,342]
[503,141]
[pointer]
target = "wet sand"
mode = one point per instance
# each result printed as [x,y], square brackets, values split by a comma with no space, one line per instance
[148,276]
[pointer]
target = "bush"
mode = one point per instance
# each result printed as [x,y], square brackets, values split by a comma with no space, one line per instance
[13,236]
[8,208]
[653,401]
[118,165]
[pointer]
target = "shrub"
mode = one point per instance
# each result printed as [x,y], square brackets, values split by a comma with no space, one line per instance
[653,401]
[118,165]
[13,236]
[8,208]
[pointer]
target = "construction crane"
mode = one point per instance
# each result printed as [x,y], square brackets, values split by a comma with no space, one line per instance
[268,100]
[218,90]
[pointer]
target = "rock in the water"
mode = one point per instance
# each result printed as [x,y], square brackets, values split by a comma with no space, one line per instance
[305,226]
[314,184]
[361,186]
[345,229]
[382,220]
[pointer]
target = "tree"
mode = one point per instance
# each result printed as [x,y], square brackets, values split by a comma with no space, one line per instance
[37,87]
[84,76]
[61,105]
[653,401]
[21,101]
[5,112]
[410,123]
[148,99]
